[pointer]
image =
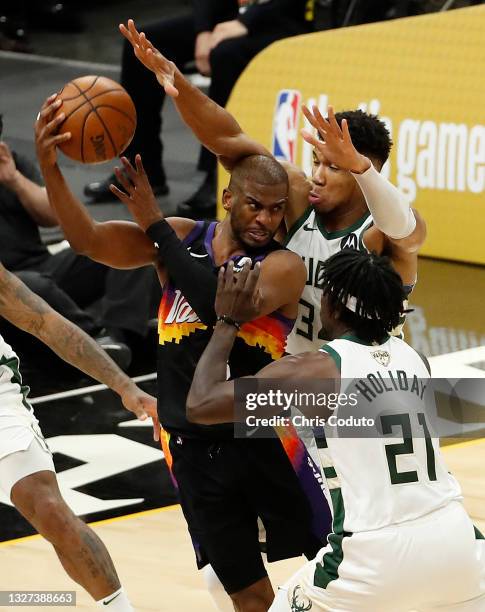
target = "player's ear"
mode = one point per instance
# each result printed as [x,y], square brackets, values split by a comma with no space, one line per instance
[227,199]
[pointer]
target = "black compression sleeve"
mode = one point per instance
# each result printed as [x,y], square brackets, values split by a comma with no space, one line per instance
[197,283]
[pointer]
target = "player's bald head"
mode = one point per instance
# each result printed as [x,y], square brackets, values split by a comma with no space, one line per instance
[259,169]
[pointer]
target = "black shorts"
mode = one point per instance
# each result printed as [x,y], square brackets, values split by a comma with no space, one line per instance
[224,487]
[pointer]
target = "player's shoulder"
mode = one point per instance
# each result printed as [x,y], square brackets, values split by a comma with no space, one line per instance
[313,364]
[181,226]
[285,261]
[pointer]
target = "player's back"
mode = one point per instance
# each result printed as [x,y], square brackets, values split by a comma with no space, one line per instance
[392,471]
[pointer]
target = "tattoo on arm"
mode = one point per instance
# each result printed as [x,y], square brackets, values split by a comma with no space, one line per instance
[29,312]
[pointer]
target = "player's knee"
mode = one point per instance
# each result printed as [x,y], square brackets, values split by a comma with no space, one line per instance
[52,517]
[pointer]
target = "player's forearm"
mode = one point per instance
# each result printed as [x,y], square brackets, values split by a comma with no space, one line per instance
[29,312]
[389,207]
[34,199]
[213,126]
[210,398]
[74,346]
[72,215]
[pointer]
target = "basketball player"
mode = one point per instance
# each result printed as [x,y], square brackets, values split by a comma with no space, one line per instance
[27,474]
[346,203]
[223,483]
[401,539]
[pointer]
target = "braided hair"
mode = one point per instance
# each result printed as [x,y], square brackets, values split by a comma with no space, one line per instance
[365,290]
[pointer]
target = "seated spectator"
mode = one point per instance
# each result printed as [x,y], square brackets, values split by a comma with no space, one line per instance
[222,36]
[68,282]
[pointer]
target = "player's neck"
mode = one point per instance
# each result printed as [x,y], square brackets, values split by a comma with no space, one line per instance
[342,217]
[224,244]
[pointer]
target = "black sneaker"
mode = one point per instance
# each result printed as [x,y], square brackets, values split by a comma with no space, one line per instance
[100,191]
[202,204]
[119,352]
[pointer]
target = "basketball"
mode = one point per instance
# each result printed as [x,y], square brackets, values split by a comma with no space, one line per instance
[101,117]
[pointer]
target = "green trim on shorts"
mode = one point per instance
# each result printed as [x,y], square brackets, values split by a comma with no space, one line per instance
[478,534]
[329,472]
[13,364]
[327,570]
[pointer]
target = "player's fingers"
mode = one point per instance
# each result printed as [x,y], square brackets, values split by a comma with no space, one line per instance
[229,275]
[123,180]
[48,110]
[252,279]
[126,33]
[321,120]
[345,131]
[332,121]
[60,138]
[121,195]
[242,275]
[310,138]
[128,169]
[221,283]
[133,31]
[309,116]
[53,125]
[139,166]
[48,101]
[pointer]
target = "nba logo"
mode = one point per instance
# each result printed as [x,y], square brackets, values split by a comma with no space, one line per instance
[285,124]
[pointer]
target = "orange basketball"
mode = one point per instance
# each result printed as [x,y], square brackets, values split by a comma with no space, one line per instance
[101,117]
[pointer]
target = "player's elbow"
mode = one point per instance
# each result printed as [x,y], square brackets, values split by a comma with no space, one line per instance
[196,411]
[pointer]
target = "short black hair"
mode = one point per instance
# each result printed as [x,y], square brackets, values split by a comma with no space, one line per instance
[261,169]
[369,134]
[370,286]
[1,124]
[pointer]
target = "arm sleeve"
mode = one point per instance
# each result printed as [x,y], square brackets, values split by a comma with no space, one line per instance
[197,283]
[389,207]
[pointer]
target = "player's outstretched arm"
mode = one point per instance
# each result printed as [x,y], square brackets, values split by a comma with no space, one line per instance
[215,128]
[32,314]
[389,207]
[119,244]
[211,396]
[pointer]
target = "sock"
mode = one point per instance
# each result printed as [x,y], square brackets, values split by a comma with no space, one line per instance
[221,599]
[116,602]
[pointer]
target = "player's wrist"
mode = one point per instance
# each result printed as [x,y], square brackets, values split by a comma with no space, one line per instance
[362,164]
[227,322]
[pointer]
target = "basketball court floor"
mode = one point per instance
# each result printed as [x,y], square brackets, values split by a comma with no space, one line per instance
[110,470]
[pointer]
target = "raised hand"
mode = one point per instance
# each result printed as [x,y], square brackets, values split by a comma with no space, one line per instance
[45,128]
[237,296]
[138,194]
[335,145]
[151,57]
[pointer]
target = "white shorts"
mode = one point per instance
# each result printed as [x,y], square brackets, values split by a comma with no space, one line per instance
[430,564]
[23,450]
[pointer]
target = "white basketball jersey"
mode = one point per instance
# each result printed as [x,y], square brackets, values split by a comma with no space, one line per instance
[315,245]
[399,475]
